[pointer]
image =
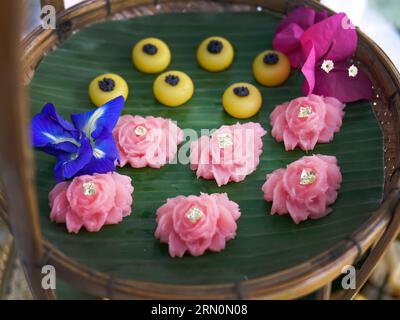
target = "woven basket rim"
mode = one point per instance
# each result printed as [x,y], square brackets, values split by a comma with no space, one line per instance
[289,283]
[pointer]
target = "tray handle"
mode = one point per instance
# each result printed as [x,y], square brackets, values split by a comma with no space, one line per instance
[16,156]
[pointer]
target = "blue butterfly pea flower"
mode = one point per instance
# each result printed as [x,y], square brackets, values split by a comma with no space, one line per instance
[84,147]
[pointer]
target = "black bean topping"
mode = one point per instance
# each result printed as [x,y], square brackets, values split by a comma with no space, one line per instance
[150,49]
[271,58]
[215,46]
[241,91]
[107,84]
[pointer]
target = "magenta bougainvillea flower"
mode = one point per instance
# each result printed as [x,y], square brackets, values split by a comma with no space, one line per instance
[289,31]
[323,47]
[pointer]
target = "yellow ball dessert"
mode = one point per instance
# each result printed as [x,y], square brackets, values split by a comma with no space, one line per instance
[215,54]
[106,87]
[151,55]
[173,88]
[271,68]
[242,100]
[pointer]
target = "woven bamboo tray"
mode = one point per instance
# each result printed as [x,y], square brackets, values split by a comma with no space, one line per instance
[40,242]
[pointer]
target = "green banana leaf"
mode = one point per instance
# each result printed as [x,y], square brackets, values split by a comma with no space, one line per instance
[264,244]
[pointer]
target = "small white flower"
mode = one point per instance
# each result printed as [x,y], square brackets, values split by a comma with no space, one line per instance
[327,66]
[353,70]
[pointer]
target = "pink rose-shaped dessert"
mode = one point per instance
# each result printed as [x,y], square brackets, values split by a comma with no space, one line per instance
[305,121]
[91,201]
[305,189]
[229,154]
[197,223]
[146,141]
